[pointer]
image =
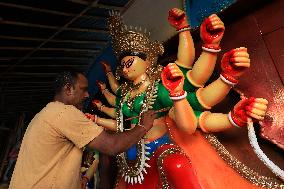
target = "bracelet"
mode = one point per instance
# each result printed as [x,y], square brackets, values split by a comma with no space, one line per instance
[177,94]
[179,97]
[183,29]
[227,80]
[101,107]
[211,49]
[235,121]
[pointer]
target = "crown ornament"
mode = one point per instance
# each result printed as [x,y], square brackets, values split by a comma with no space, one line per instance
[128,39]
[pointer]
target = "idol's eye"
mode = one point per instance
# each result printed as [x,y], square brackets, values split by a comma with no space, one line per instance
[128,63]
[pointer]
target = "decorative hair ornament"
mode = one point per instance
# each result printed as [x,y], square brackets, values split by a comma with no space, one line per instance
[129,39]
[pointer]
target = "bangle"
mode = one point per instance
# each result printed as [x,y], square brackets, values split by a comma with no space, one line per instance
[228,80]
[183,29]
[211,48]
[235,121]
[177,94]
[101,107]
[179,97]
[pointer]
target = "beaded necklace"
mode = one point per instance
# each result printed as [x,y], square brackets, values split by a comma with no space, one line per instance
[134,173]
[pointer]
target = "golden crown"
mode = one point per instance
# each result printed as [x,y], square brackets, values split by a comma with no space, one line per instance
[133,40]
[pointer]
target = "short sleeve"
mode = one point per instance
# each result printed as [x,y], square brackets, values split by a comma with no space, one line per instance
[73,124]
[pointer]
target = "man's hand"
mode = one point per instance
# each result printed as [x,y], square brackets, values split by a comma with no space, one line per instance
[147,119]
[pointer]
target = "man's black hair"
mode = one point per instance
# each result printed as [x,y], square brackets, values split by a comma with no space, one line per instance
[64,78]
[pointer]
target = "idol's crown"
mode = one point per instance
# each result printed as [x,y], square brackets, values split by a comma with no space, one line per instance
[132,39]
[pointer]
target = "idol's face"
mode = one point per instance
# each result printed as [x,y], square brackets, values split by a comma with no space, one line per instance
[133,67]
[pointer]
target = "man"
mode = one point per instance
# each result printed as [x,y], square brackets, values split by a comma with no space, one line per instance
[51,151]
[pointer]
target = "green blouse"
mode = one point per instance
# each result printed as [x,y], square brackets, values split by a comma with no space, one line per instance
[162,101]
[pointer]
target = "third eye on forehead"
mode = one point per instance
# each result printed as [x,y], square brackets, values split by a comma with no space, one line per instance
[128,63]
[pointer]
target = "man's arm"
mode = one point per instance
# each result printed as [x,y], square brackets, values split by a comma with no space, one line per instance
[112,144]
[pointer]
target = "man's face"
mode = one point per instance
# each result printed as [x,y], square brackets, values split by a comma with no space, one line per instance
[79,93]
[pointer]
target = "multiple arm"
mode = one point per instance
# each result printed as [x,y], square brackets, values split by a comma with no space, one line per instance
[233,64]
[108,95]
[111,112]
[211,33]
[186,51]
[173,80]
[114,85]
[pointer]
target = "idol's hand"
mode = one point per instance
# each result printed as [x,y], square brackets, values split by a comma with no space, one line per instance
[101,85]
[254,108]
[106,66]
[92,117]
[234,63]
[173,79]
[84,182]
[212,31]
[97,104]
[177,19]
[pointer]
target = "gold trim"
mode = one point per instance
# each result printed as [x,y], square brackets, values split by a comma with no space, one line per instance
[160,162]
[241,168]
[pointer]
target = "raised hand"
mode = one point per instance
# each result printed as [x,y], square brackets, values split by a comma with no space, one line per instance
[234,63]
[212,31]
[97,104]
[177,19]
[106,66]
[254,108]
[101,85]
[173,79]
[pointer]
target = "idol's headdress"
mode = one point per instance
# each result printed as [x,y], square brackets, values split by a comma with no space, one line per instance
[132,41]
